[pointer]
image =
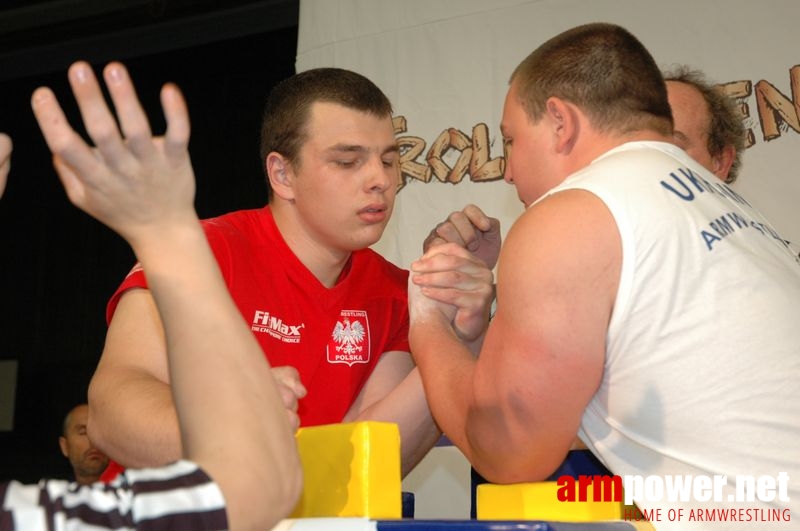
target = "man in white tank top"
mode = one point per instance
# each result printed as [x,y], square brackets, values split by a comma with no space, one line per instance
[641,303]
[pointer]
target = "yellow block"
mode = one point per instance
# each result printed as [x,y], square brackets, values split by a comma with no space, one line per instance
[350,469]
[539,501]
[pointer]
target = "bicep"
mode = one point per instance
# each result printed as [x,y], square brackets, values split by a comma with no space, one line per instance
[545,348]
[131,413]
[135,343]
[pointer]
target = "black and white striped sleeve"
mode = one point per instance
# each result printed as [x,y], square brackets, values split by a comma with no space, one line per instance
[177,497]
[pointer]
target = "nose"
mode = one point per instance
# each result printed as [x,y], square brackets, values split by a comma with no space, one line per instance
[381,177]
[507,176]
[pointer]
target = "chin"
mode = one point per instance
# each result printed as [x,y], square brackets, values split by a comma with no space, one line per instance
[365,241]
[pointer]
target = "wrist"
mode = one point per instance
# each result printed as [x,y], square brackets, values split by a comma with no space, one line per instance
[163,243]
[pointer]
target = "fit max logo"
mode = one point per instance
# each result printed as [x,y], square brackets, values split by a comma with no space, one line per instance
[349,341]
[274,326]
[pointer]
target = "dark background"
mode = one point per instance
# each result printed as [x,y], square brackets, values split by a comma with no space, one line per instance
[59,266]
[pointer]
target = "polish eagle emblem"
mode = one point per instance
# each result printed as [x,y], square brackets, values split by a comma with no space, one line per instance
[349,336]
[349,342]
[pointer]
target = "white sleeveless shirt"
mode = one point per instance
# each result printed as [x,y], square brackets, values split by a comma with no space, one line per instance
[702,368]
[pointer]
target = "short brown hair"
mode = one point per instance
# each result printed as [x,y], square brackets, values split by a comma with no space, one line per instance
[603,69]
[726,127]
[286,114]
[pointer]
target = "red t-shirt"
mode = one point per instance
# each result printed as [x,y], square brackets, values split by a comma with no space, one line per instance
[334,336]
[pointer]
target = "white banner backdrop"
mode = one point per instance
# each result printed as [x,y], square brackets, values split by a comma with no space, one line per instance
[445,65]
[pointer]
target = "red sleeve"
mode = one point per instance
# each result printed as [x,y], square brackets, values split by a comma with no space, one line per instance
[111,472]
[135,279]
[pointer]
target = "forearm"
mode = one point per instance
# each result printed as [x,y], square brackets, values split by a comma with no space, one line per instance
[477,410]
[219,377]
[445,367]
[406,405]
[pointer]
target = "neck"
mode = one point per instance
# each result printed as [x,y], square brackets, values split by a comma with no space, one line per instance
[325,262]
[86,479]
[595,144]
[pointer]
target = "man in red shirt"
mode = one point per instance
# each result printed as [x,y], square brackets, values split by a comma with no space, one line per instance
[329,313]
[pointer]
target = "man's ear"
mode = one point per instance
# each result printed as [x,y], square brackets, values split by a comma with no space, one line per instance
[280,174]
[62,442]
[565,123]
[722,162]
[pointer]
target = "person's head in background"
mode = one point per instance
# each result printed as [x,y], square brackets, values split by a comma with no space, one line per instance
[5,160]
[87,461]
[707,125]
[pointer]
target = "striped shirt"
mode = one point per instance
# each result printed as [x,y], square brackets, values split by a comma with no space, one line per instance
[178,497]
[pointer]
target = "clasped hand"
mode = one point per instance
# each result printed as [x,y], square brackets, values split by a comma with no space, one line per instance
[451,280]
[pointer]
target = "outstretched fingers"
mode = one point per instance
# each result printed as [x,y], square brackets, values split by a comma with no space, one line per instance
[97,118]
[68,148]
[132,119]
[176,138]
[131,179]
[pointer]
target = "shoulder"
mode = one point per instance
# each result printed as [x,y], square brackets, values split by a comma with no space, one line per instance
[558,273]
[237,221]
[371,263]
[238,231]
[573,214]
[569,238]
[632,160]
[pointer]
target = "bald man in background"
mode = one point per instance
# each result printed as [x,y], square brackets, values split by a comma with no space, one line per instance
[5,159]
[88,463]
[707,124]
